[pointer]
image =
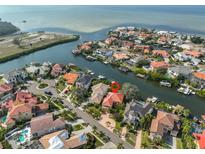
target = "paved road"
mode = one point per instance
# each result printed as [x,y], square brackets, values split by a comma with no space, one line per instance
[85,116]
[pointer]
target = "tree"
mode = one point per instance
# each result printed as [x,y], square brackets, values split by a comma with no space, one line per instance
[120,146]
[130,91]
[91,140]
[197,40]
[146,121]
[2,133]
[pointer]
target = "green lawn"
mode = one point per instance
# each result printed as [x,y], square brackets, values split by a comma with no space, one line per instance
[78,127]
[42,85]
[12,49]
[131,138]
[146,141]
[179,143]
[1,81]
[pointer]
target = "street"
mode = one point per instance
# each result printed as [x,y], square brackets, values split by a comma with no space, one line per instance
[85,116]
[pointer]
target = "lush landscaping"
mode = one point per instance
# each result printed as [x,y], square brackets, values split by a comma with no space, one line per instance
[131,138]
[95,110]
[77,127]
[43,85]
[179,143]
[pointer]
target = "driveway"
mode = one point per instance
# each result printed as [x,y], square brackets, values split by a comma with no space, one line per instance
[85,116]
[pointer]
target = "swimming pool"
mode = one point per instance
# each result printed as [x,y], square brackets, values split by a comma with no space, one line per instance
[3,119]
[24,135]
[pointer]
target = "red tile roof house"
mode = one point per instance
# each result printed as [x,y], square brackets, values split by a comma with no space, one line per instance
[162,53]
[5,89]
[201,139]
[46,124]
[109,41]
[198,77]
[154,65]
[56,70]
[127,44]
[111,99]
[195,54]
[164,124]
[120,56]
[23,108]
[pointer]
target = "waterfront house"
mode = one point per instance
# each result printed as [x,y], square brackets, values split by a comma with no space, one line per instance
[84,81]
[34,70]
[162,53]
[198,77]
[98,92]
[24,107]
[85,46]
[134,61]
[5,91]
[46,124]
[56,70]
[16,76]
[109,40]
[104,52]
[112,99]
[120,56]
[135,110]
[164,124]
[71,78]
[38,70]
[155,65]
[200,139]
[175,71]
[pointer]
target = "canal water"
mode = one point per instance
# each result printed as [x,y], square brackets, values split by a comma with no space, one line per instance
[62,54]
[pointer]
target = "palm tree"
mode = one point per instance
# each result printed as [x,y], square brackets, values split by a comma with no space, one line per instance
[94,128]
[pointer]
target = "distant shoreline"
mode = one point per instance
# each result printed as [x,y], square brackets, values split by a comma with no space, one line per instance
[29,51]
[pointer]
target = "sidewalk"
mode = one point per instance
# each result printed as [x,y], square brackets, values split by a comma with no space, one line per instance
[138,140]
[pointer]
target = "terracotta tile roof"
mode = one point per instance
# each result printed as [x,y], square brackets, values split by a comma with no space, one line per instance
[18,108]
[193,53]
[112,98]
[45,122]
[5,88]
[199,75]
[162,53]
[110,40]
[24,103]
[42,106]
[162,120]
[26,97]
[159,64]
[120,56]
[71,77]
[201,139]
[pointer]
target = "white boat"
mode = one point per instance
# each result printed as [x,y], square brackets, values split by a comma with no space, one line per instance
[101,77]
[165,83]
[185,91]
[106,62]
[152,99]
